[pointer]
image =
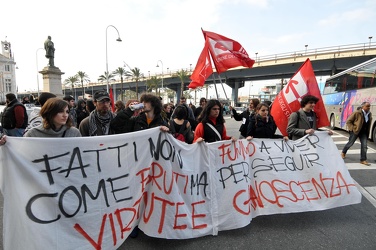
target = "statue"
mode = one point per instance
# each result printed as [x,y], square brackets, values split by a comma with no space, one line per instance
[50,51]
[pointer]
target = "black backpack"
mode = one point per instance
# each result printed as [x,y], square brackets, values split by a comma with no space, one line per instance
[184,134]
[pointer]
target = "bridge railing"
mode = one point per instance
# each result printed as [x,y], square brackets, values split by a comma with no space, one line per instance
[319,51]
[337,50]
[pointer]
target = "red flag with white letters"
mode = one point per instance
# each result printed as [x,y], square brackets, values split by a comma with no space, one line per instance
[288,99]
[226,53]
[202,70]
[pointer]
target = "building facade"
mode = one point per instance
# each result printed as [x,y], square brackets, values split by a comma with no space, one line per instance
[7,71]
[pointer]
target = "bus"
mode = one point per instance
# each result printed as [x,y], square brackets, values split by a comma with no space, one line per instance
[344,92]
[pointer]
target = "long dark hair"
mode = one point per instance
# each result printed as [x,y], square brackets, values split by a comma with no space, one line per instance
[204,116]
[50,109]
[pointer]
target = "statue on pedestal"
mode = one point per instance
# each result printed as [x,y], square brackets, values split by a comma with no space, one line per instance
[50,51]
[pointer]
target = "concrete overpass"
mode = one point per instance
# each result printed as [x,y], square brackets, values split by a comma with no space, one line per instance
[325,61]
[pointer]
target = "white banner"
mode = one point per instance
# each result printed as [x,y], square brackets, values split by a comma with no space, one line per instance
[88,193]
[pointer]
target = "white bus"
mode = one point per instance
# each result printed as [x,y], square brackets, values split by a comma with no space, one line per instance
[344,92]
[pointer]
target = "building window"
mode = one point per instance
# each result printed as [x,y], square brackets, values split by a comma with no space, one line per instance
[8,85]
[7,67]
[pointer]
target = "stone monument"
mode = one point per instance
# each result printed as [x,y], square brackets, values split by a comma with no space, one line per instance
[51,73]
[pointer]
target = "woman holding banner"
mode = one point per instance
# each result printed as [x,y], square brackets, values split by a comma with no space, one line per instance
[56,121]
[211,127]
[262,125]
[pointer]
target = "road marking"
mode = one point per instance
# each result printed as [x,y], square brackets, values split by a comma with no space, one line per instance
[369,193]
[358,166]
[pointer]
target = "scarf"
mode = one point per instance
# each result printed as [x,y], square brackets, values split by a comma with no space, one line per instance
[95,118]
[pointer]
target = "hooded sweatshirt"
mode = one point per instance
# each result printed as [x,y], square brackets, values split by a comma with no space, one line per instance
[40,131]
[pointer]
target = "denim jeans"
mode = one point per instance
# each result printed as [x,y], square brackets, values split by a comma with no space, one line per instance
[18,132]
[363,144]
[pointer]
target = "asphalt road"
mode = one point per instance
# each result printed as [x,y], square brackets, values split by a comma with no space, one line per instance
[349,227]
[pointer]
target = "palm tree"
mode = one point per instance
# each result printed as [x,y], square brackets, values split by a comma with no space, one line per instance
[183,75]
[106,77]
[83,77]
[122,72]
[153,82]
[72,81]
[136,76]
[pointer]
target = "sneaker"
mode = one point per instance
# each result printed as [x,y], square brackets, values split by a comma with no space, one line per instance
[365,163]
[343,155]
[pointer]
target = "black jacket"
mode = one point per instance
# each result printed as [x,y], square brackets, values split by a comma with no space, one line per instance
[260,128]
[140,123]
[210,135]
[122,123]
[240,117]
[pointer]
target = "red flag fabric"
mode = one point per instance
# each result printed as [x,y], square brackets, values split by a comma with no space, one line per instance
[226,53]
[202,70]
[112,100]
[288,99]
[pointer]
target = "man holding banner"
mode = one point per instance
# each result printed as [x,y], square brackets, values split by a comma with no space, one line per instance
[290,99]
[304,121]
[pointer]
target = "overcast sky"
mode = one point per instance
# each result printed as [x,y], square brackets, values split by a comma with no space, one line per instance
[170,30]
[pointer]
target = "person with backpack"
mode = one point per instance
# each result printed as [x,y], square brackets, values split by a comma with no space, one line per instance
[212,124]
[245,116]
[14,118]
[262,124]
[304,121]
[180,126]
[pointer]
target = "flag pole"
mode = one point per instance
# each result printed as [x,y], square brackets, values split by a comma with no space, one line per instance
[224,91]
[215,86]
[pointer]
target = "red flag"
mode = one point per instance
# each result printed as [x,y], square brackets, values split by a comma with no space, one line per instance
[288,99]
[202,70]
[226,53]
[112,100]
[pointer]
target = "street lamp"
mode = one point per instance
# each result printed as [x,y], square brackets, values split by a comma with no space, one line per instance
[118,40]
[306,48]
[256,55]
[162,70]
[36,59]
[370,38]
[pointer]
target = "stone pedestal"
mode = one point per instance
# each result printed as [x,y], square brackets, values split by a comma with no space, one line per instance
[52,80]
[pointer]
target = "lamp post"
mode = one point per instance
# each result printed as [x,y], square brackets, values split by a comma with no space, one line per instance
[36,59]
[118,40]
[306,48]
[370,38]
[162,70]
[256,55]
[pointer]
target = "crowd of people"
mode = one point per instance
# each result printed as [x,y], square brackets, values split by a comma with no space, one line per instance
[205,123]
[58,117]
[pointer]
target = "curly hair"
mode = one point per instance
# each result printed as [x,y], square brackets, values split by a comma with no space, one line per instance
[50,109]
[204,116]
[155,102]
[308,98]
